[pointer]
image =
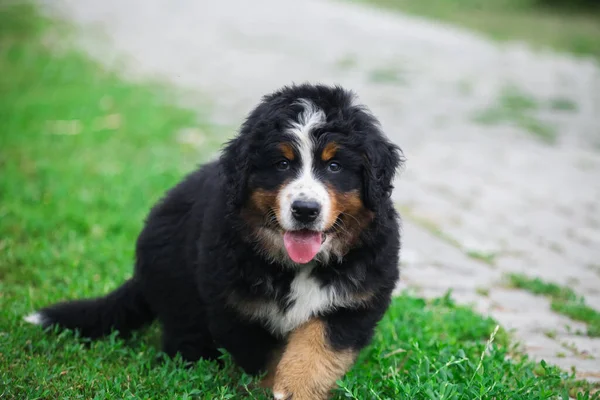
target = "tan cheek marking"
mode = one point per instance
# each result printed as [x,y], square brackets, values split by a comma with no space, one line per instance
[329,151]
[309,366]
[267,200]
[287,151]
[354,217]
[353,203]
[351,207]
[334,210]
[264,200]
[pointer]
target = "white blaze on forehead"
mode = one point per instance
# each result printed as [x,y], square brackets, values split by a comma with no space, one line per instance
[305,186]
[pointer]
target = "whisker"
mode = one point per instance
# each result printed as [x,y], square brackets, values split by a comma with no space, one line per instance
[351,216]
[271,217]
[339,225]
[342,230]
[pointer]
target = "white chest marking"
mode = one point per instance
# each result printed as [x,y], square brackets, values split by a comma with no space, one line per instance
[307,298]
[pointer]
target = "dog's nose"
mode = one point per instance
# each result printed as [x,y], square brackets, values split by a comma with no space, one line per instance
[305,211]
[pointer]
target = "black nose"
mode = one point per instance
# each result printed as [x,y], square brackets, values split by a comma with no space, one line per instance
[305,211]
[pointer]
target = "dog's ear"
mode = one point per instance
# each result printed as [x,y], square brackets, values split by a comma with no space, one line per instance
[236,168]
[381,160]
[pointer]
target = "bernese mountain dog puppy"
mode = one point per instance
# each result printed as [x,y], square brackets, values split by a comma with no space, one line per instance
[284,251]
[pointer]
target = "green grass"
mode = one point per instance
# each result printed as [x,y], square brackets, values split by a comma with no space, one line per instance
[488,258]
[517,107]
[432,227]
[387,75]
[564,300]
[74,194]
[572,29]
[562,104]
[428,224]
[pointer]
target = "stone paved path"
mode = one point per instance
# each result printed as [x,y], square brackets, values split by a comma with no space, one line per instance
[470,191]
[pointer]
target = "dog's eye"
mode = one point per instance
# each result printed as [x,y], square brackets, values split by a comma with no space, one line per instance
[282,165]
[334,166]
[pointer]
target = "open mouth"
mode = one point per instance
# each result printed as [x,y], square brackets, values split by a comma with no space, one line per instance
[303,245]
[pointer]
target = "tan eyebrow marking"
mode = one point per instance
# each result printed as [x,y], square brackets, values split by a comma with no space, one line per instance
[329,151]
[287,150]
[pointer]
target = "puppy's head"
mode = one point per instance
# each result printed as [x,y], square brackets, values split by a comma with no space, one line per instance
[308,172]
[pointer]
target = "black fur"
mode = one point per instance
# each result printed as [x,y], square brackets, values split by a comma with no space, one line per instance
[194,251]
[124,310]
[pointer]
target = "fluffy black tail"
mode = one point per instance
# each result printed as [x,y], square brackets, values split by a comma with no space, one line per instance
[124,310]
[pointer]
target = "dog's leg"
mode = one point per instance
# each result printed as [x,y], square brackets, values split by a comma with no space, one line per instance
[187,333]
[250,345]
[269,379]
[310,365]
[192,343]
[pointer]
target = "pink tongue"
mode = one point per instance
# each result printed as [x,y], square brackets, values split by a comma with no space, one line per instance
[302,246]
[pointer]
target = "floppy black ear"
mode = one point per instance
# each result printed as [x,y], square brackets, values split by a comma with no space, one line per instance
[236,168]
[382,159]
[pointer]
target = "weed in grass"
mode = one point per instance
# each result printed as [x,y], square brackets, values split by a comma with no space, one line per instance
[488,258]
[575,350]
[517,107]
[485,257]
[550,334]
[538,128]
[564,300]
[428,225]
[347,62]
[515,100]
[387,75]
[562,104]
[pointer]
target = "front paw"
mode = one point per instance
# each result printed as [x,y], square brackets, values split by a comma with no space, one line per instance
[281,395]
[299,393]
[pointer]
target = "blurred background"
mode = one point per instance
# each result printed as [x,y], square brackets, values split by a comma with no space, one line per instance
[495,103]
